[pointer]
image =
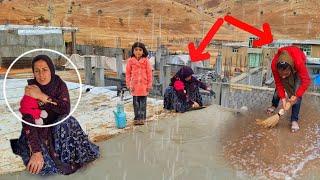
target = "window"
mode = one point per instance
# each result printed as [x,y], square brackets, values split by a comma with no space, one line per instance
[235,50]
[251,41]
[306,48]
[254,60]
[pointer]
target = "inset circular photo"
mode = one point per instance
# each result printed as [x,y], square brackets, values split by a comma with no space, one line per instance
[35,89]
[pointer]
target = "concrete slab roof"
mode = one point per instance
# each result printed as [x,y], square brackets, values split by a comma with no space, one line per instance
[38,28]
[291,41]
[236,44]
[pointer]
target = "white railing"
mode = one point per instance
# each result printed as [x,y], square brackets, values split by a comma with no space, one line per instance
[311,60]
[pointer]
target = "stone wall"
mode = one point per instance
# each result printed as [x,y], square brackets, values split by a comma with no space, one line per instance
[101,51]
[238,95]
[13,45]
[254,77]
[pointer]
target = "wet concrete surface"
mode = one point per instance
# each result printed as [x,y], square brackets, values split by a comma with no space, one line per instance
[186,146]
[212,143]
[276,153]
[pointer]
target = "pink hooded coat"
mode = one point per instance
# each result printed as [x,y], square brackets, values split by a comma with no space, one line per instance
[139,76]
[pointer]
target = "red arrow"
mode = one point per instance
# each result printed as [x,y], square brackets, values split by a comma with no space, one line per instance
[265,35]
[196,54]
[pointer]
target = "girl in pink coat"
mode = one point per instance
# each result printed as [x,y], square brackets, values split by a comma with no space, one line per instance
[139,80]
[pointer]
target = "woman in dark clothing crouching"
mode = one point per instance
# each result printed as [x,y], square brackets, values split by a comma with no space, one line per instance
[60,149]
[183,92]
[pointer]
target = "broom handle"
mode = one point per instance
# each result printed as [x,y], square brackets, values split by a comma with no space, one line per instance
[282,110]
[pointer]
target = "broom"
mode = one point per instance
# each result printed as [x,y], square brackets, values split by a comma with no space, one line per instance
[273,120]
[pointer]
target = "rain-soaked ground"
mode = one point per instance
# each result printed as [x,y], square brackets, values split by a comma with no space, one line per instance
[212,143]
[276,153]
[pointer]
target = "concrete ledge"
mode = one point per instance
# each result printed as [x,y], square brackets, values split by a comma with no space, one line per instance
[245,75]
[254,50]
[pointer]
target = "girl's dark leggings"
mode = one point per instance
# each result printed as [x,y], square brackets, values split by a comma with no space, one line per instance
[140,107]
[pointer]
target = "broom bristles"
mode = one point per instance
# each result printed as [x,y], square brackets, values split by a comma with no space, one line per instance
[272,121]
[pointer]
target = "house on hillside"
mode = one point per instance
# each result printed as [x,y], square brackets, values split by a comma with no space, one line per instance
[241,57]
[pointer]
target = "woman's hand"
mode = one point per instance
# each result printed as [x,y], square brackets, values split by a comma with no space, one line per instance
[35,92]
[212,93]
[35,163]
[27,91]
[293,99]
[195,105]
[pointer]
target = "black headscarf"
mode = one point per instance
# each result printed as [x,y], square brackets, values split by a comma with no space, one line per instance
[50,88]
[184,72]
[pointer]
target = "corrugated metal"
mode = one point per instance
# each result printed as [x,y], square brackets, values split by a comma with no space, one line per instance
[32,27]
[39,31]
[290,41]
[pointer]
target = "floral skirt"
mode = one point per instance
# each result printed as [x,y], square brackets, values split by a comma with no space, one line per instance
[72,149]
[172,101]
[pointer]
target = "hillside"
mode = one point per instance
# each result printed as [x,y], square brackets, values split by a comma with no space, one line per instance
[177,22]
